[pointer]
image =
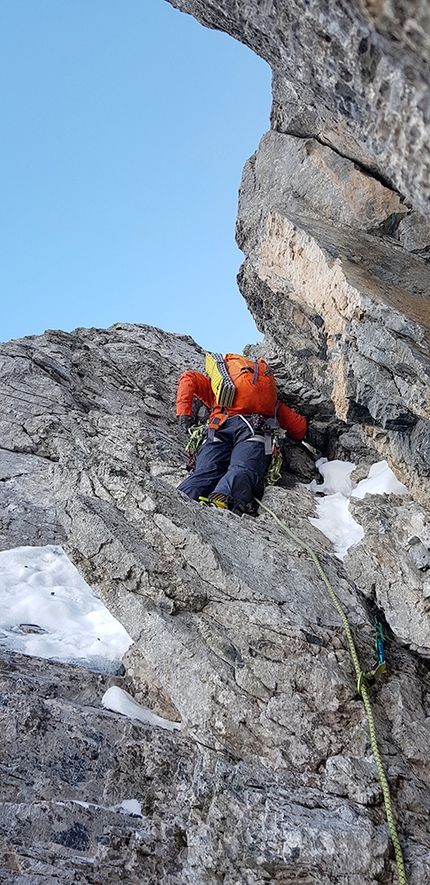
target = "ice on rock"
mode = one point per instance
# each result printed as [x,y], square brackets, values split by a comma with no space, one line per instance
[119,701]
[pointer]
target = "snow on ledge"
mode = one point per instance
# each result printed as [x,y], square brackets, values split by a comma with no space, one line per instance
[119,701]
[334,519]
[381,481]
[47,610]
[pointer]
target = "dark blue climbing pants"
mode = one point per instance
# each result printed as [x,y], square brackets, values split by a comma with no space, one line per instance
[233,464]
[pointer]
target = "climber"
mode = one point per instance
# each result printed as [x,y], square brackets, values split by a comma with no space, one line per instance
[237,444]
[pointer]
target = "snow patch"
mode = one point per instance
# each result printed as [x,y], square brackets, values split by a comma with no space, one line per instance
[334,519]
[119,701]
[337,477]
[47,610]
[336,522]
[381,481]
[127,806]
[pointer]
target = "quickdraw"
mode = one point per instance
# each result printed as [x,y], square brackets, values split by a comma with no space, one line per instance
[274,471]
[196,432]
[371,676]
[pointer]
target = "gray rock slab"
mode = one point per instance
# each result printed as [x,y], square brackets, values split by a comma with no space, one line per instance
[234,634]
[68,765]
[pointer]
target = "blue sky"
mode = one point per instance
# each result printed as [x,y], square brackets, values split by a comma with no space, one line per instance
[126,125]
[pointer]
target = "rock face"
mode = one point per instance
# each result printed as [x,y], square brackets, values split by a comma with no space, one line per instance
[352,75]
[272,778]
[348,302]
[69,771]
[336,248]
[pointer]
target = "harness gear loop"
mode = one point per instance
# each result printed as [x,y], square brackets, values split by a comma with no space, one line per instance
[362,689]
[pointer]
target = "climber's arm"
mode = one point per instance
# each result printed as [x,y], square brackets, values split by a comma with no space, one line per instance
[193,384]
[293,422]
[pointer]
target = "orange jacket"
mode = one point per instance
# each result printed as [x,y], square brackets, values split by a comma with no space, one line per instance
[193,384]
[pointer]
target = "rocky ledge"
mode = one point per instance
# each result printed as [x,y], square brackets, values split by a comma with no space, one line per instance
[234,635]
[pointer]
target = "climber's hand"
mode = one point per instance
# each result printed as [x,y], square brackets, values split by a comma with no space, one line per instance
[185,422]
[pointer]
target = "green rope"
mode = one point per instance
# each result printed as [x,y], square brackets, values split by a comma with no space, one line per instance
[362,689]
[385,788]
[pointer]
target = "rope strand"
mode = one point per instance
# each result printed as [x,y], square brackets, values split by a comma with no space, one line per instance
[362,689]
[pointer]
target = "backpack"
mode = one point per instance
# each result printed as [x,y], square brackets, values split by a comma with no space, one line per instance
[244,386]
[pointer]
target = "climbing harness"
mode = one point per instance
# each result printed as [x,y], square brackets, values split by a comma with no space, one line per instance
[363,682]
[196,436]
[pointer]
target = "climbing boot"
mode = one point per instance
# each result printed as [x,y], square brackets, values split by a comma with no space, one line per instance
[216,500]
[219,500]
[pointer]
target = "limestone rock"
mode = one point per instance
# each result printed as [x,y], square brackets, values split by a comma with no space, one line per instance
[238,637]
[69,771]
[272,778]
[336,247]
[354,76]
[347,305]
[414,233]
[300,176]
[382,573]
